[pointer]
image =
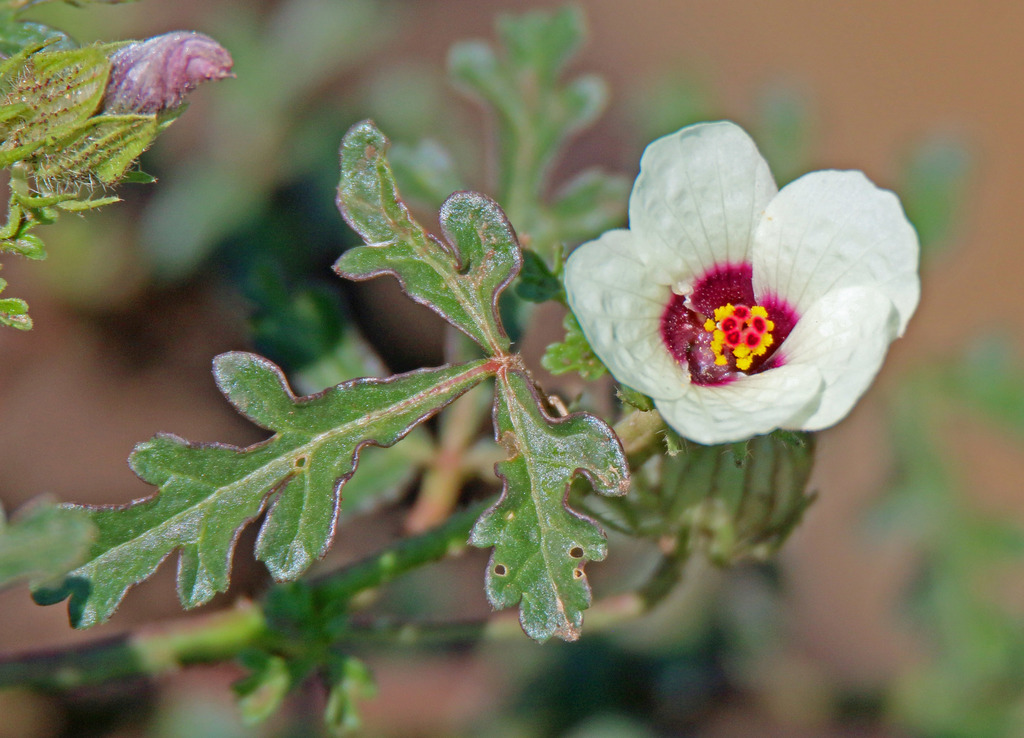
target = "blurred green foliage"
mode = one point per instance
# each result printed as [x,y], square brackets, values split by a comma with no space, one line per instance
[971,684]
[43,543]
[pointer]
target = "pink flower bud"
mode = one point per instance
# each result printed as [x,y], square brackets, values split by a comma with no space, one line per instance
[156,74]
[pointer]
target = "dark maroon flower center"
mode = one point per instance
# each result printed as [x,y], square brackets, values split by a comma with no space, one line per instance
[689,326]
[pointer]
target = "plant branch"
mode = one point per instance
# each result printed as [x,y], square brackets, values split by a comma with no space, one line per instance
[405,555]
[208,639]
[223,635]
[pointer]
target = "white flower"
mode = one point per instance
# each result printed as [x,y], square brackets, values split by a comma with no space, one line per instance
[740,308]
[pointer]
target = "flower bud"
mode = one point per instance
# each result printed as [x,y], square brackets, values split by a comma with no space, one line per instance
[154,75]
[740,501]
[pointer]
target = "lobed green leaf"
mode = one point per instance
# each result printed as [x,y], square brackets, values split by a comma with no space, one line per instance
[536,112]
[540,545]
[208,492]
[460,281]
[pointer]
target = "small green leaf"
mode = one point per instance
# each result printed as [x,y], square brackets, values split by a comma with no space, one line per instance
[43,543]
[573,354]
[14,314]
[462,281]
[541,546]
[29,246]
[350,680]
[261,692]
[208,492]
[536,112]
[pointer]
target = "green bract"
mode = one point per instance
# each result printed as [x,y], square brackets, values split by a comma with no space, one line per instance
[57,137]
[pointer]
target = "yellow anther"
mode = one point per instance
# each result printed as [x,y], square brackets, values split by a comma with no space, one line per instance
[724,312]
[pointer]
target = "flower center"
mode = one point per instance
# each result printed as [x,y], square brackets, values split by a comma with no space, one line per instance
[744,332]
[720,331]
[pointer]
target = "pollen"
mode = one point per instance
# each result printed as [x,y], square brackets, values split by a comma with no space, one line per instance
[739,334]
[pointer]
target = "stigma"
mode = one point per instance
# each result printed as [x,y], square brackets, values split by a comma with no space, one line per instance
[739,333]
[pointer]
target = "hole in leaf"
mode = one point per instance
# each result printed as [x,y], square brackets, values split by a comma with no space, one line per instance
[576,552]
[500,570]
[577,574]
[301,461]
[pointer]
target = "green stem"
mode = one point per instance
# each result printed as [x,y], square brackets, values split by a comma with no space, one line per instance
[605,614]
[209,639]
[641,435]
[223,635]
[405,555]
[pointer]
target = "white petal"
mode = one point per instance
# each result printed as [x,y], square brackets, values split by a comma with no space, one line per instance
[845,335]
[751,405]
[698,197]
[829,230]
[619,308]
